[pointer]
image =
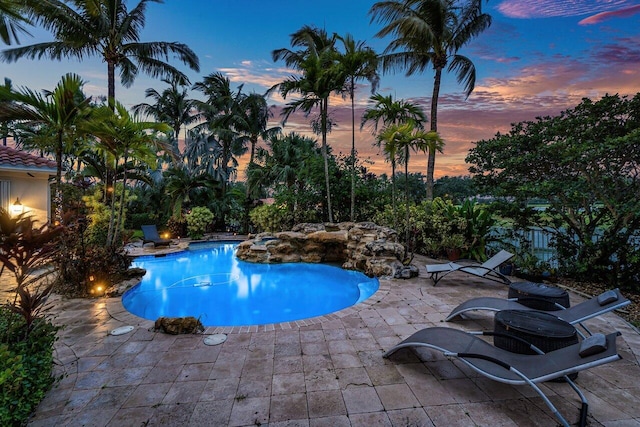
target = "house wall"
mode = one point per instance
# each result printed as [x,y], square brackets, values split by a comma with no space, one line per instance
[34,193]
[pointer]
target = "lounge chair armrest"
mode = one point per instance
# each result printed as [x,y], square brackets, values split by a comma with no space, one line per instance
[607,297]
[596,343]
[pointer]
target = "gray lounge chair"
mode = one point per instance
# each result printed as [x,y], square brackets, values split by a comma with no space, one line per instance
[486,270]
[150,233]
[519,369]
[603,303]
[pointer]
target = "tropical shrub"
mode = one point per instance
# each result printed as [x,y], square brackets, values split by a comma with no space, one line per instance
[98,217]
[25,366]
[198,220]
[26,336]
[269,218]
[82,264]
[438,226]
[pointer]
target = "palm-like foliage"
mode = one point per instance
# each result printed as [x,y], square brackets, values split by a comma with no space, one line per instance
[105,28]
[122,136]
[282,161]
[390,113]
[431,32]
[224,116]
[171,106]
[55,113]
[254,122]
[182,186]
[317,61]
[12,21]
[406,137]
[285,167]
[356,62]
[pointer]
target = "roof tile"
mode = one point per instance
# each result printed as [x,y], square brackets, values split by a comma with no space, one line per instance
[15,158]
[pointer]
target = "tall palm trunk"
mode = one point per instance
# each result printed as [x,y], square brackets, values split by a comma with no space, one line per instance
[58,190]
[111,85]
[431,160]
[248,201]
[110,232]
[324,103]
[406,200]
[118,221]
[353,150]
[393,193]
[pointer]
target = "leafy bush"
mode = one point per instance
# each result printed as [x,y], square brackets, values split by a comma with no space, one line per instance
[25,366]
[198,220]
[269,217]
[26,337]
[584,164]
[82,263]
[436,226]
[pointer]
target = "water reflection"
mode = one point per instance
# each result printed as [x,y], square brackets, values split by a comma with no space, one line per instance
[212,284]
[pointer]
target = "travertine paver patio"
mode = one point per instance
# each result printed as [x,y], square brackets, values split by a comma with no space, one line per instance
[322,372]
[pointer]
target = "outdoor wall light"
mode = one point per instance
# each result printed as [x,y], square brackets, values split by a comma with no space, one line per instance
[17,208]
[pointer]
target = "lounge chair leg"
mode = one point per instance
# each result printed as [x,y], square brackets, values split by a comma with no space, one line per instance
[544,397]
[583,414]
[584,409]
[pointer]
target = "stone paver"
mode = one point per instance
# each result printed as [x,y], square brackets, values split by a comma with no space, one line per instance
[326,371]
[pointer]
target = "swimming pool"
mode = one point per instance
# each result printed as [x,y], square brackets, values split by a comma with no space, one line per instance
[210,283]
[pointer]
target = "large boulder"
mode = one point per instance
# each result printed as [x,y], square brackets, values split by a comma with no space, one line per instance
[363,246]
[178,325]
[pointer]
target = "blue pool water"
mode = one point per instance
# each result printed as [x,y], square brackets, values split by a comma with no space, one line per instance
[210,283]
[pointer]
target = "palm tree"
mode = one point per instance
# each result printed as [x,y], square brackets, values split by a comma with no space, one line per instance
[283,159]
[122,136]
[224,117]
[202,153]
[172,106]
[407,137]
[254,121]
[285,164]
[56,112]
[182,185]
[105,28]
[431,32]
[317,60]
[391,113]
[357,62]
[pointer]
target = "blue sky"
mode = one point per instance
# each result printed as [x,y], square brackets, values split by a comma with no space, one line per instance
[538,58]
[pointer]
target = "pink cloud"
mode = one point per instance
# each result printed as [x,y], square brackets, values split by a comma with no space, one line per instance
[603,16]
[525,9]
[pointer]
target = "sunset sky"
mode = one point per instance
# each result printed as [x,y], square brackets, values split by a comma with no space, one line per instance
[537,58]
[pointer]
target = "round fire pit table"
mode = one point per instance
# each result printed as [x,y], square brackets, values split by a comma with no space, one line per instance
[543,330]
[539,296]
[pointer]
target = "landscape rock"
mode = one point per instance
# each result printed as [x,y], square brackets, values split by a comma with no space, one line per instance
[363,246]
[179,325]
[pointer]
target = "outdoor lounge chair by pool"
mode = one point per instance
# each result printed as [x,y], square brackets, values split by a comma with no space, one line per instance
[150,233]
[519,369]
[487,269]
[603,303]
